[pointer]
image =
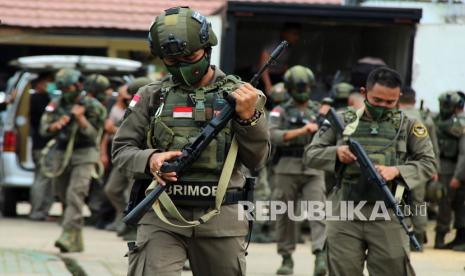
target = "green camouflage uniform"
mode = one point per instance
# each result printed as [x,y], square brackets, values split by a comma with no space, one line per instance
[72,185]
[291,178]
[168,115]
[381,243]
[220,240]
[451,139]
[419,217]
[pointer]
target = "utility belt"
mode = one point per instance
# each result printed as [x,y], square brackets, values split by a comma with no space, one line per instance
[188,194]
[78,144]
[291,151]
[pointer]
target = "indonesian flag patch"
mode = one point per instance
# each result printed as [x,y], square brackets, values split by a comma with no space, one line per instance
[276,112]
[134,101]
[182,112]
[50,107]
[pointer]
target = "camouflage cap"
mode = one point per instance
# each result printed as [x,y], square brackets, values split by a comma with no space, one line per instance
[180,31]
[343,90]
[137,83]
[66,77]
[96,83]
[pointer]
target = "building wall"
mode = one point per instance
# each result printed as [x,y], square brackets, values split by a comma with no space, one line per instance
[439,57]
[439,60]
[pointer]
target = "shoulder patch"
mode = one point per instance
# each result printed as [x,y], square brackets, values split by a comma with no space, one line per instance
[276,112]
[50,107]
[419,130]
[134,101]
[349,116]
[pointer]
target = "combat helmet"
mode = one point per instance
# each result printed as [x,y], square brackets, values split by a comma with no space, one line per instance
[343,90]
[278,93]
[180,31]
[96,84]
[298,81]
[66,77]
[449,101]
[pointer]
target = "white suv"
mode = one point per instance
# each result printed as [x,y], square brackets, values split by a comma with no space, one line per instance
[16,166]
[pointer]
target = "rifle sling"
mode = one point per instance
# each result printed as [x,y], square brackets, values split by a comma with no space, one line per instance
[169,206]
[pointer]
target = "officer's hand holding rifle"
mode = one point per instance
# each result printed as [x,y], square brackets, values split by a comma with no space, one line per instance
[377,175]
[240,102]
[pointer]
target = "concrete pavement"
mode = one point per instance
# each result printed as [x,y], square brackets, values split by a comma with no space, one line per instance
[104,253]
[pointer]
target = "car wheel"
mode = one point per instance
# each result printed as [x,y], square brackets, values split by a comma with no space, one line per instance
[8,200]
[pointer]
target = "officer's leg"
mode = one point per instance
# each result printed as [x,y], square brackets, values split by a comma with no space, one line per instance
[158,252]
[388,248]
[345,248]
[261,193]
[285,190]
[60,185]
[115,191]
[419,216]
[76,193]
[314,190]
[459,208]
[223,256]
[444,212]
[41,192]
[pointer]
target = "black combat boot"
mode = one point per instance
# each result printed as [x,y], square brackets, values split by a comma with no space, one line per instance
[420,238]
[458,240]
[287,266]
[439,240]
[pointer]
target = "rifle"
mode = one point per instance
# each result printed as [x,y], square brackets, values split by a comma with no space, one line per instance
[372,175]
[63,135]
[191,152]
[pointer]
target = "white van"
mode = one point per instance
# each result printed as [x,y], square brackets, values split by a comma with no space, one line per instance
[16,166]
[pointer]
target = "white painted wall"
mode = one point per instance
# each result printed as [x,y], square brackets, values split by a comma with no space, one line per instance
[438,62]
[439,51]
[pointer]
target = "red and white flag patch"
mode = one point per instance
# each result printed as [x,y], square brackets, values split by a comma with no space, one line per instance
[50,107]
[276,112]
[134,101]
[182,112]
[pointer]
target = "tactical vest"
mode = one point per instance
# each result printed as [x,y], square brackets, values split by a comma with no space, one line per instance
[449,132]
[177,122]
[382,146]
[69,138]
[296,118]
[80,141]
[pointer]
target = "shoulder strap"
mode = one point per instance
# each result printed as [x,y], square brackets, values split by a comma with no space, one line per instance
[168,204]
[352,123]
[67,155]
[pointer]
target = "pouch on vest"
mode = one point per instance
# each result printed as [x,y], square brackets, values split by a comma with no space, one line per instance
[449,148]
[162,135]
